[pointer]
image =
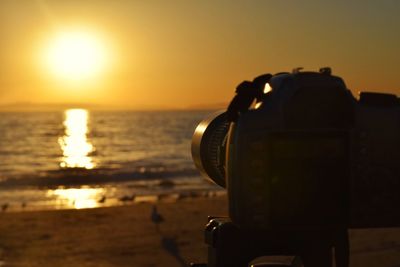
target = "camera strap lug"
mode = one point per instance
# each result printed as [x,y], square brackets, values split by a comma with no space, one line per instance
[246,93]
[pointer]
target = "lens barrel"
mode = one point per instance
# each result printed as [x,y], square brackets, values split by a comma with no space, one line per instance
[208,147]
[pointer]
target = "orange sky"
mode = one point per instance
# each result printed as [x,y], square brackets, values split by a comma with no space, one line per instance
[175,54]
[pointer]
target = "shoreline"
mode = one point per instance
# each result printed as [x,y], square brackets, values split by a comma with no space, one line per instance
[107,194]
[101,196]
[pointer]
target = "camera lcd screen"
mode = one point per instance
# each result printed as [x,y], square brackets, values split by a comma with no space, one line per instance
[308,148]
[308,173]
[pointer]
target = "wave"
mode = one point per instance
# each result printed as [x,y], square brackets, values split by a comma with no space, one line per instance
[81,176]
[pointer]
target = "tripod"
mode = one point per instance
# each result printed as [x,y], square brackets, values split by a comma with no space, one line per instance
[230,246]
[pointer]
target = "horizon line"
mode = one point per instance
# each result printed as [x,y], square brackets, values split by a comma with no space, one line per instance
[31,106]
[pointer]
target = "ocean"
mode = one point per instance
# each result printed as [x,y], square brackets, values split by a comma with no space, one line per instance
[77,158]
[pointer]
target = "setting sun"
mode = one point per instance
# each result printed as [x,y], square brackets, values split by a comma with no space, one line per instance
[76,56]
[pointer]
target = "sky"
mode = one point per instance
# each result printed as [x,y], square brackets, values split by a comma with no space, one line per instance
[185,54]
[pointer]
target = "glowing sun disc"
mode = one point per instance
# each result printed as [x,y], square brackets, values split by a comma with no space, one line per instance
[76,55]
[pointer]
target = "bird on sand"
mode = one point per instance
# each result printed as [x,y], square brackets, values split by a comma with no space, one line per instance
[156,217]
[102,200]
[4,207]
[126,198]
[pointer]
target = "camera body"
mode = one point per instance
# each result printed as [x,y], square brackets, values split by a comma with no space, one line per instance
[308,154]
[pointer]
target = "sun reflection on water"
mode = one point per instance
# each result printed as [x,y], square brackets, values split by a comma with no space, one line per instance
[78,198]
[75,144]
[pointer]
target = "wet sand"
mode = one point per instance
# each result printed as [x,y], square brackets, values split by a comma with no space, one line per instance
[126,236]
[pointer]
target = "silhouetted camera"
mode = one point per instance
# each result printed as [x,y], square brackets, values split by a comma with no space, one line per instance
[297,150]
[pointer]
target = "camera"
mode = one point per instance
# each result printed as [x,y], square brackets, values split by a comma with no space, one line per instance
[297,151]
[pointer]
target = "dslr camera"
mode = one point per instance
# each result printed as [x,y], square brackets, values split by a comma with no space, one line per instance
[298,151]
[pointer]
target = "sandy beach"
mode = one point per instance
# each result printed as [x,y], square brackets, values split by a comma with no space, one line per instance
[117,236]
[126,236]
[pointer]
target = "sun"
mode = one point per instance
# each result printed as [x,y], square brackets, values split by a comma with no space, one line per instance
[76,55]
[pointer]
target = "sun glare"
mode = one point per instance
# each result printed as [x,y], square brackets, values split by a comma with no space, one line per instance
[76,55]
[78,198]
[75,145]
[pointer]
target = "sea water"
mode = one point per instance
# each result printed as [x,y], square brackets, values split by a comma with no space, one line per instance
[78,158]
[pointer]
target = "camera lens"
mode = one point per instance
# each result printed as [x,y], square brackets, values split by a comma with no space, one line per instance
[208,147]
